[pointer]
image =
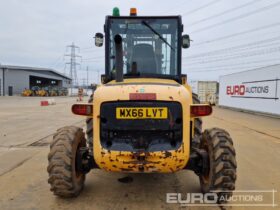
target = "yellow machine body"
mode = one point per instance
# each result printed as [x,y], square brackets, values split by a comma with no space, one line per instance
[159,161]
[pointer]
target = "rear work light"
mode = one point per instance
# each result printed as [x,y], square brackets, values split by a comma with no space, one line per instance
[82,109]
[200,110]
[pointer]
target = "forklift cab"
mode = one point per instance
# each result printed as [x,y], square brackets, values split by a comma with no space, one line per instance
[151,46]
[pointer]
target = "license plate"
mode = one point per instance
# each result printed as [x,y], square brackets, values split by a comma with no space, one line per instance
[141,113]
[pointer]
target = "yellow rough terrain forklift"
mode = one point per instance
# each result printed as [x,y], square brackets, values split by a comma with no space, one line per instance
[143,118]
[26,92]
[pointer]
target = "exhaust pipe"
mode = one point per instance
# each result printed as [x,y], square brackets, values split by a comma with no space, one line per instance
[119,58]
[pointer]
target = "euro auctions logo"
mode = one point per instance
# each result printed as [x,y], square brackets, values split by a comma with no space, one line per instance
[241,90]
[239,198]
[262,89]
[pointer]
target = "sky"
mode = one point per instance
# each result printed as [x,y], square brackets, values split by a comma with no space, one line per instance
[228,35]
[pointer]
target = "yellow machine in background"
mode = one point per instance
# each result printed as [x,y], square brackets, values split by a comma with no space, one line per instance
[42,92]
[34,91]
[144,117]
[26,92]
[45,91]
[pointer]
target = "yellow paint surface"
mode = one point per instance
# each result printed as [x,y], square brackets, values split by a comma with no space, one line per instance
[147,162]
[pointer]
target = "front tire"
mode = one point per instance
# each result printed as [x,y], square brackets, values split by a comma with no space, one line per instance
[221,176]
[64,179]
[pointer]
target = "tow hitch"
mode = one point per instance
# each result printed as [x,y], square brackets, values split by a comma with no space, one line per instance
[199,162]
[84,160]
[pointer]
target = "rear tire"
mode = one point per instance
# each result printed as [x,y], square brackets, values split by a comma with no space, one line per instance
[64,179]
[222,163]
[89,131]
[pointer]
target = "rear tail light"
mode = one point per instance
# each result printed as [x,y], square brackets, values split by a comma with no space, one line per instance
[82,109]
[200,110]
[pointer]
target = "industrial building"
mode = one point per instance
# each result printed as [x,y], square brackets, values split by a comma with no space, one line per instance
[256,90]
[14,79]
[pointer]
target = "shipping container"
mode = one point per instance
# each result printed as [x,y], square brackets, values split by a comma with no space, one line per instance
[207,91]
[193,84]
[254,90]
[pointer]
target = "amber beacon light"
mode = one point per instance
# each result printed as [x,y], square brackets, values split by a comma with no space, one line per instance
[133,12]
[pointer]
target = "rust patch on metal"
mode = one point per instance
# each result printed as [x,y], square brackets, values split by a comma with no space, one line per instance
[142,162]
[167,154]
[179,166]
[141,168]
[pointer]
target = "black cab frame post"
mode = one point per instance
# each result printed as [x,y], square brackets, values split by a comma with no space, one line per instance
[119,58]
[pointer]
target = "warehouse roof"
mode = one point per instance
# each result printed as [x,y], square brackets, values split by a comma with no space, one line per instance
[27,68]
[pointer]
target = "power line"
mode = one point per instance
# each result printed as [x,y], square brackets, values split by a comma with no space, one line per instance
[176,6]
[240,69]
[87,48]
[238,17]
[254,52]
[233,52]
[91,61]
[250,54]
[225,68]
[91,70]
[223,13]
[73,64]
[201,7]
[90,51]
[235,64]
[215,52]
[56,62]
[243,40]
[221,59]
[94,70]
[237,34]
[93,58]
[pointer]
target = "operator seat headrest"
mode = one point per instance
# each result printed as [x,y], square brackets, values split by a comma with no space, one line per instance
[144,56]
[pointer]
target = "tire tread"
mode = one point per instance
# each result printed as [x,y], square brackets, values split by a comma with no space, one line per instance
[223,162]
[60,162]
